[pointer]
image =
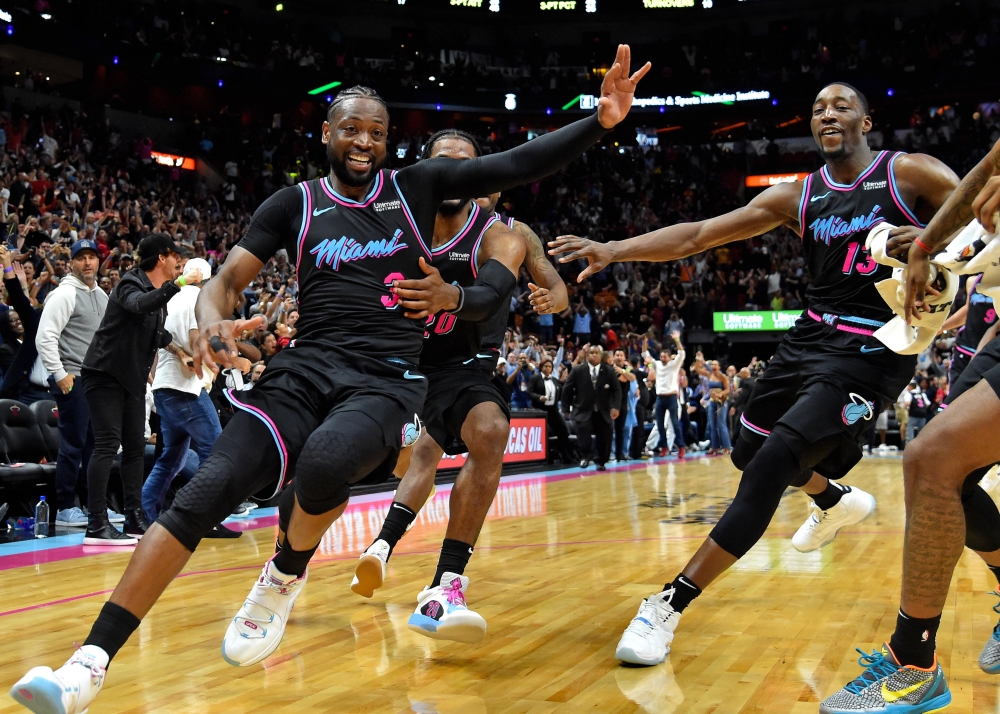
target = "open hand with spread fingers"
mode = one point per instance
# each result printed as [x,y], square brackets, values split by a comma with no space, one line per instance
[570,248]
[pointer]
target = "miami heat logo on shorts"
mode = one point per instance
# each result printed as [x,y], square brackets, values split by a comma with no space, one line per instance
[411,432]
[859,408]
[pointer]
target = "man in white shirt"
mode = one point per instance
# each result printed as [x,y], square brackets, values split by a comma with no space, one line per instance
[187,415]
[664,373]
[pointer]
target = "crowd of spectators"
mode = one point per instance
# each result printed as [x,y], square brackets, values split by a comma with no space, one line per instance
[66,176]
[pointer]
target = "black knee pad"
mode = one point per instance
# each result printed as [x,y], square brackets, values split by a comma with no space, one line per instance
[747,444]
[343,450]
[982,519]
[242,461]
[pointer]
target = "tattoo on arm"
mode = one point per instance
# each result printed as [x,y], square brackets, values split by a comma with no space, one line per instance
[956,213]
[535,259]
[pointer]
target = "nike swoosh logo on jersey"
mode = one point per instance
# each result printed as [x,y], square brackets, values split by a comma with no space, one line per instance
[318,212]
[407,375]
[811,200]
[484,356]
[469,361]
[866,349]
[890,696]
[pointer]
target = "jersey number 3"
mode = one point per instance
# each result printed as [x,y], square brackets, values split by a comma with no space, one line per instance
[866,268]
[390,301]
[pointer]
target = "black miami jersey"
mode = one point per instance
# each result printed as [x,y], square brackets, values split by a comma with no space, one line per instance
[980,316]
[448,340]
[346,254]
[834,221]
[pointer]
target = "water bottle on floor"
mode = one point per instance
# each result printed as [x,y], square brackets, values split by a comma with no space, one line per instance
[42,519]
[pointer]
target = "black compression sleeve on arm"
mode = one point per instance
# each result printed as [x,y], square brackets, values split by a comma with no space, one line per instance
[480,301]
[529,162]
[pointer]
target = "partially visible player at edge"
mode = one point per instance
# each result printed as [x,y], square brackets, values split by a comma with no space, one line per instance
[829,376]
[946,508]
[465,409]
[347,392]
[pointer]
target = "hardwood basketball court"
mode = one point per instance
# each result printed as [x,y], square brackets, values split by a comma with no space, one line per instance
[563,561]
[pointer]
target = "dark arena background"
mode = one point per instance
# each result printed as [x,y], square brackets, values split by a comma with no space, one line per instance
[123,119]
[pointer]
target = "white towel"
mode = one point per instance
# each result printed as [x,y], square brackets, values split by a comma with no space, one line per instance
[896,334]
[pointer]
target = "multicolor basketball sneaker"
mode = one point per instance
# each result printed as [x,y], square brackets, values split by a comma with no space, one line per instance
[989,658]
[443,615]
[888,687]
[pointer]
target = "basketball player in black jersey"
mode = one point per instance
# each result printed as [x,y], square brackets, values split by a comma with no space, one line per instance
[829,376]
[946,509]
[974,319]
[465,410]
[340,401]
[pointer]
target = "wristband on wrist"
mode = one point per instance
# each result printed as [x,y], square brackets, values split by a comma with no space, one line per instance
[8,270]
[922,246]
[461,300]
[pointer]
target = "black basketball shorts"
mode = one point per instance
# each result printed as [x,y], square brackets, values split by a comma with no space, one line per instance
[452,392]
[984,366]
[306,384]
[822,390]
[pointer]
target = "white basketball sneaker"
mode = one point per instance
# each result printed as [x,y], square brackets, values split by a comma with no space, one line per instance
[821,527]
[647,638]
[258,627]
[68,690]
[370,573]
[443,615]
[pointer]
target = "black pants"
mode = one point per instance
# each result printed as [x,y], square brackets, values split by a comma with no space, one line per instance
[76,443]
[587,429]
[118,418]
[620,434]
[638,432]
[557,428]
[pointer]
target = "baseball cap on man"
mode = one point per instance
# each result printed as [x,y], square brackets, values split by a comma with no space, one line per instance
[198,264]
[155,245]
[82,245]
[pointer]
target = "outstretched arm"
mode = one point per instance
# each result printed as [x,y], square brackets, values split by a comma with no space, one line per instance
[548,292]
[777,206]
[451,178]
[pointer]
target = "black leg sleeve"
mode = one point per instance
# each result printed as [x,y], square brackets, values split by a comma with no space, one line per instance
[764,479]
[243,460]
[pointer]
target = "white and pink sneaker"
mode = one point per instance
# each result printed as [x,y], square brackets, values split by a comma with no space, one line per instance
[258,627]
[442,613]
[68,690]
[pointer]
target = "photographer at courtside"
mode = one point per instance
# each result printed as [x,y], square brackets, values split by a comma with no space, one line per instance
[115,373]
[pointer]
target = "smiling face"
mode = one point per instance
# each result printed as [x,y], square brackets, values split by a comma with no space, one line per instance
[839,122]
[355,140]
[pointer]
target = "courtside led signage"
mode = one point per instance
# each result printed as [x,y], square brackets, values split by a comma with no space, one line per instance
[763,321]
[557,4]
[182,162]
[467,3]
[657,4]
[765,180]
